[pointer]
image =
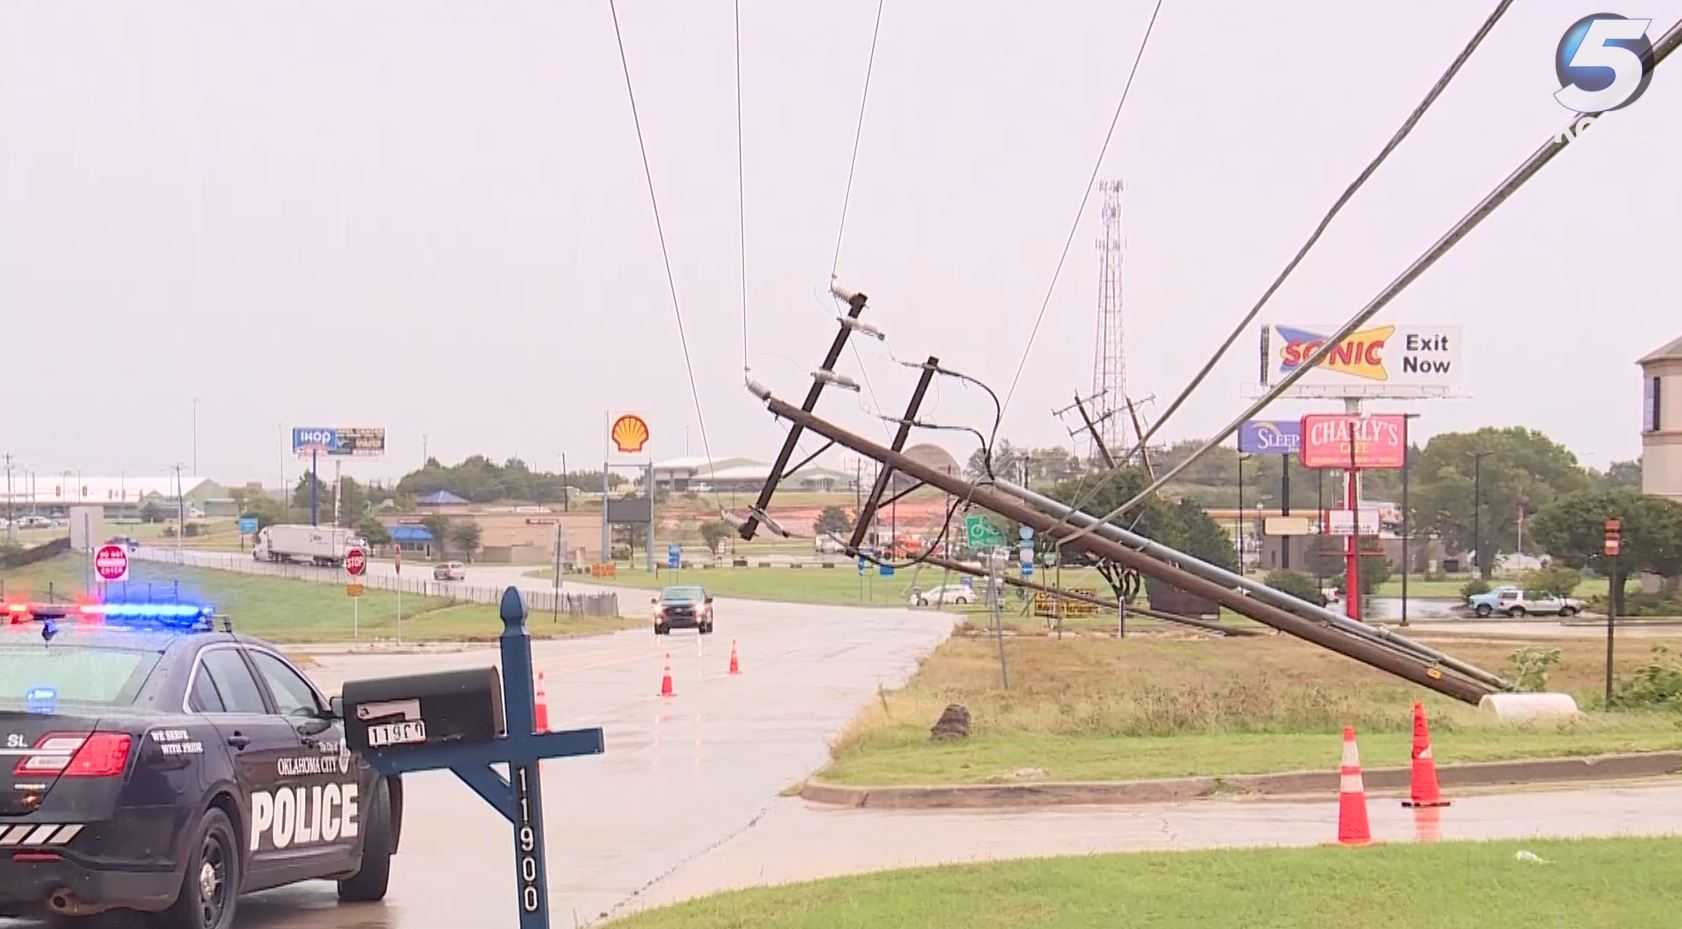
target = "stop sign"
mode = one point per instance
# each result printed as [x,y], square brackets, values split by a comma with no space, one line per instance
[356,562]
[110,562]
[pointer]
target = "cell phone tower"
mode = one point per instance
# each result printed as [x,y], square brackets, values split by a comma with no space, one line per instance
[1109,357]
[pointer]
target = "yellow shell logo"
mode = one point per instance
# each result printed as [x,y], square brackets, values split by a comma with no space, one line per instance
[630,433]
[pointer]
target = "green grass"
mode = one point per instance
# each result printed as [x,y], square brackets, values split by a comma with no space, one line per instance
[1163,706]
[1588,884]
[283,610]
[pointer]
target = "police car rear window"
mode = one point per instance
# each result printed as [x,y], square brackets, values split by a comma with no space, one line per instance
[76,674]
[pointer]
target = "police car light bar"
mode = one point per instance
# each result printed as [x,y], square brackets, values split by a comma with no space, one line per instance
[170,615]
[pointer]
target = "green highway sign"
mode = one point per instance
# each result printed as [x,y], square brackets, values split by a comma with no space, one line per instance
[980,533]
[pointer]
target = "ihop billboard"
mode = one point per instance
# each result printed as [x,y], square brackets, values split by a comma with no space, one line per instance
[1270,437]
[354,441]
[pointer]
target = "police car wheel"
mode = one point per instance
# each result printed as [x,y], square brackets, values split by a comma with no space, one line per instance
[371,879]
[210,888]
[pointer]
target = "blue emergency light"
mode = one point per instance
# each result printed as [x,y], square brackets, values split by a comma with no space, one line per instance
[180,616]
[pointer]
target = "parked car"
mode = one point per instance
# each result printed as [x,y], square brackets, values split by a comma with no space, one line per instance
[946,593]
[449,571]
[33,522]
[125,541]
[1515,602]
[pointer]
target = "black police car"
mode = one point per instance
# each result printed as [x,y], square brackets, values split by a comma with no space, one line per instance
[149,762]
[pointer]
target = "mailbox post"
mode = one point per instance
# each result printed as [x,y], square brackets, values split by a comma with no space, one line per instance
[455,720]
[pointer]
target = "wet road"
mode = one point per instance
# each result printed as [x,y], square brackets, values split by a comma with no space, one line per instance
[679,776]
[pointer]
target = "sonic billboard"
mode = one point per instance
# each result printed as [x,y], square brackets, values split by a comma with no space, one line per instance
[1377,361]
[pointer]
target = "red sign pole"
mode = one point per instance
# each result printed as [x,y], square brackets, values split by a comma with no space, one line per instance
[1352,569]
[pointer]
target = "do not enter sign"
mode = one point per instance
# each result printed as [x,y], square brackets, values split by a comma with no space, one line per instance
[110,562]
[356,562]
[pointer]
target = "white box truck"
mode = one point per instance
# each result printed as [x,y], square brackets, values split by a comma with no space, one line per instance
[320,545]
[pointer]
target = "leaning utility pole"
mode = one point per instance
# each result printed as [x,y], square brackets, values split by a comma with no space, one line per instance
[1379,656]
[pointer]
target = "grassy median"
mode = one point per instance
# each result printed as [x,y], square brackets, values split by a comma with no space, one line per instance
[1587,884]
[1091,708]
[286,610]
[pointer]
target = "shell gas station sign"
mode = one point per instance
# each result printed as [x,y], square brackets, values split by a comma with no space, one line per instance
[629,433]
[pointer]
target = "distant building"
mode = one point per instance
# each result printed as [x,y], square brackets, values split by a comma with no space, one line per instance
[120,497]
[698,475]
[1661,422]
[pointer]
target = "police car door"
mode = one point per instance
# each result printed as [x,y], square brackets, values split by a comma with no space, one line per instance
[257,741]
[320,778]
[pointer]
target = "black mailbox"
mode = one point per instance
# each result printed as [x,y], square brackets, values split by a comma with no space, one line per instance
[441,708]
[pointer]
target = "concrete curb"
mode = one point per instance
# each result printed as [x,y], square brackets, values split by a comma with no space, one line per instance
[1167,790]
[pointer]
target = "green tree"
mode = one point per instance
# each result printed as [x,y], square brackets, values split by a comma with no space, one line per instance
[373,531]
[465,535]
[1622,475]
[1554,579]
[1572,530]
[324,496]
[833,520]
[353,501]
[151,512]
[1183,525]
[714,532]
[1523,471]
[439,525]
[263,508]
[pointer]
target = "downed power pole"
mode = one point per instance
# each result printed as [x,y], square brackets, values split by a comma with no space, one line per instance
[1218,575]
[1378,656]
[958,567]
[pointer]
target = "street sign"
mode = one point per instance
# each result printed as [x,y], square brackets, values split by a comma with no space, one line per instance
[864,566]
[110,562]
[356,562]
[1614,538]
[1025,552]
[979,532]
[1027,569]
[1025,533]
[1342,522]
[353,590]
[1270,436]
[886,570]
[674,555]
[247,525]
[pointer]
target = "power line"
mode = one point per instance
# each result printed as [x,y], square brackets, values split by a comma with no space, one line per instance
[1337,206]
[847,195]
[858,133]
[659,228]
[1085,195]
[741,188]
[1396,138]
[1481,211]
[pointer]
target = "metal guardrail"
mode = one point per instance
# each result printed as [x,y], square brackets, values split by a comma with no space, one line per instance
[537,601]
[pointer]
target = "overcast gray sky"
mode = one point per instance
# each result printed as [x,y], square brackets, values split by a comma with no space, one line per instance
[432,217]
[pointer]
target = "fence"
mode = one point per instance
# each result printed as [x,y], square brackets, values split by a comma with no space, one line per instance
[537,601]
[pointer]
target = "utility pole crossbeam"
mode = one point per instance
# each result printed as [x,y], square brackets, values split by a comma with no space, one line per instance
[867,511]
[855,306]
[1384,657]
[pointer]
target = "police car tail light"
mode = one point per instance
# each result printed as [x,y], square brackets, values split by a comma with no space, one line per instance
[104,754]
[98,754]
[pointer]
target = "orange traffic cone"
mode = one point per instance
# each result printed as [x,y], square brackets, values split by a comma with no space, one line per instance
[735,666]
[666,689]
[1423,790]
[540,707]
[1352,827]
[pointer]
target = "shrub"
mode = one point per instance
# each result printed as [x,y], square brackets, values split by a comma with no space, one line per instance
[1558,580]
[1296,584]
[1529,667]
[1475,586]
[1656,684]
[193,530]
